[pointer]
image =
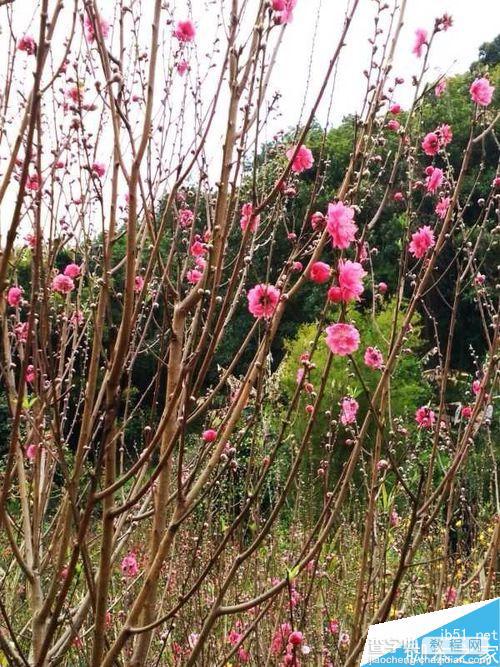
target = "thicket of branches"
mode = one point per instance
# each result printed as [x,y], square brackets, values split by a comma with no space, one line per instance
[246,415]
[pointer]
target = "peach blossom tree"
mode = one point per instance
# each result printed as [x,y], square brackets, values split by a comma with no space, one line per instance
[155,505]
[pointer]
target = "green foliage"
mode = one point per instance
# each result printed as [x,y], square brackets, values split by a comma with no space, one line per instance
[409,391]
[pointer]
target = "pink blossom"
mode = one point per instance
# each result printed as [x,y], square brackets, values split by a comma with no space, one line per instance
[27,44]
[14,296]
[319,272]
[382,287]
[209,435]
[129,566]
[194,276]
[422,240]
[479,279]
[351,276]
[77,318]
[138,284]
[333,626]
[420,40]
[430,144]
[393,125]
[450,596]
[33,182]
[398,196]
[262,300]
[75,93]
[89,28]
[341,225]
[284,9]
[21,331]
[442,207]
[186,217]
[62,284]
[99,169]
[31,451]
[303,159]
[280,638]
[434,178]
[344,639]
[440,88]
[476,387]
[395,109]
[394,517]
[185,31]
[248,219]
[481,92]
[496,182]
[296,638]
[243,655]
[373,358]
[197,249]
[349,410]
[30,240]
[317,220]
[445,22]
[72,270]
[342,339]
[334,294]
[445,134]
[297,267]
[425,417]
[182,67]
[30,374]
[466,412]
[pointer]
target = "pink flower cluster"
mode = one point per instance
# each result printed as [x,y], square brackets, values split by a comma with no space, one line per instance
[350,278]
